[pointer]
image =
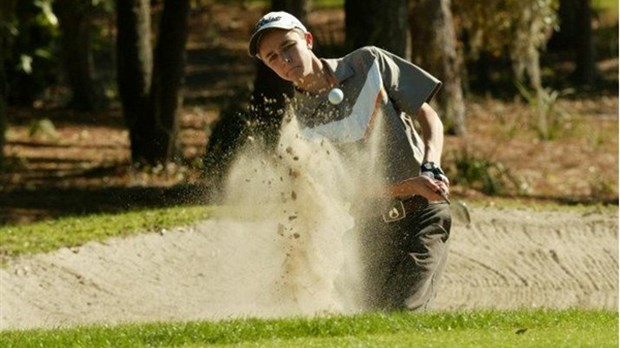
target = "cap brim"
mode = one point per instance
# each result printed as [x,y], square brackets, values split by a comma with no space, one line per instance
[253,50]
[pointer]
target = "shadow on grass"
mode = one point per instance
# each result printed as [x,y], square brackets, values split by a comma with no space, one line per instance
[25,206]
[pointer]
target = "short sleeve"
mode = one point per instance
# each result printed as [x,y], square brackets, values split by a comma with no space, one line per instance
[407,85]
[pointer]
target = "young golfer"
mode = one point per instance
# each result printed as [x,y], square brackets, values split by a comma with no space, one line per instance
[415,226]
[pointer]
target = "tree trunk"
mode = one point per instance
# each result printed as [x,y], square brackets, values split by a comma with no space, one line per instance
[150,92]
[134,67]
[298,8]
[3,90]
[165,99]
[75,18]
[585,52]
[565,36]
[6,12]
[577,37]
[377,22]
[3,117]
[434,48]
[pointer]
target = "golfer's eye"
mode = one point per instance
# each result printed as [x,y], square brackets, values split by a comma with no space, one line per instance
[272,58]
[281,53]
[288,46]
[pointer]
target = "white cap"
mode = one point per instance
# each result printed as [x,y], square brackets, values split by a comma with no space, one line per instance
[273,20]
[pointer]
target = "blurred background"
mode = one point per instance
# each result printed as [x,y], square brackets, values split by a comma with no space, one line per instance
[114,105]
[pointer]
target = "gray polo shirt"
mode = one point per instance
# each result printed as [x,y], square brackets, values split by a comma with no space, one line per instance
[376,85]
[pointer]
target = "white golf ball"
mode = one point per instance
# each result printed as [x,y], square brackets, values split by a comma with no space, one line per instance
[335,96]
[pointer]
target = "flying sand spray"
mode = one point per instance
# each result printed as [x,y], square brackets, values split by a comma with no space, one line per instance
[309,192]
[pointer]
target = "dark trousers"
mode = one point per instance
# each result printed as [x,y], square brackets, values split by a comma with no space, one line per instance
[403,260]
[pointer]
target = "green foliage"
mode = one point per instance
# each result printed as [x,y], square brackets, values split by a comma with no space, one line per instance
[43,128]
[497,24]
[517,28]
[550,119]
[508,124]
[32,49]
[606,16]
[47,15]
[610,5]
[482,174]
[328,3]
[519,328]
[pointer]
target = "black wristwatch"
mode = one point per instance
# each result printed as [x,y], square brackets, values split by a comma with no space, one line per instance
[433,170]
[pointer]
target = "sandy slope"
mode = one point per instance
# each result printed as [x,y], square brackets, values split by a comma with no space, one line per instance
[222,269]
[294,253]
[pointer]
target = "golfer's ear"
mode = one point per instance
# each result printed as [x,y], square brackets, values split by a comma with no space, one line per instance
[309,39]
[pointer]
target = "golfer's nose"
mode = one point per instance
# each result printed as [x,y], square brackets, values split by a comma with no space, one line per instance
[286,57]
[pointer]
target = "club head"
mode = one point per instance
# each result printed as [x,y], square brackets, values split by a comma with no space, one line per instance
[460,212]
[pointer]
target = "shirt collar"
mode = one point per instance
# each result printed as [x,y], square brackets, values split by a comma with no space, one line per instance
[341,69]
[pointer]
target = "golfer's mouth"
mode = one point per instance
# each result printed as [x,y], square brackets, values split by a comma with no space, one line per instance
[292,70]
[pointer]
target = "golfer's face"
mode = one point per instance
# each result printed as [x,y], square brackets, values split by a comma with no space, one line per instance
[286,52]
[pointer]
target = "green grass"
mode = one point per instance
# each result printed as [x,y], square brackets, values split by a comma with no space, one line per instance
[74,231]
[522,328]
[530,328]
[328,3]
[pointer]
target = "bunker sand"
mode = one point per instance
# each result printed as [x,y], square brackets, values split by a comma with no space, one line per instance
[294,253]
[223,269]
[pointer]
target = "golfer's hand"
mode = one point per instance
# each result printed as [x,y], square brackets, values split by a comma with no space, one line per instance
[431,189]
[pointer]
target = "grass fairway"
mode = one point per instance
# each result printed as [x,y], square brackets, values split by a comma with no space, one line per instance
[524,328]
[45,236]
[74,231]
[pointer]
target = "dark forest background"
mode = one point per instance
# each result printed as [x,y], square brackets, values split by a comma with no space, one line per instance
[161,93]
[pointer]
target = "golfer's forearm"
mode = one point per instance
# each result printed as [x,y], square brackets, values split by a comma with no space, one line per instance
[432,134]
[433,148]
[405,188]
